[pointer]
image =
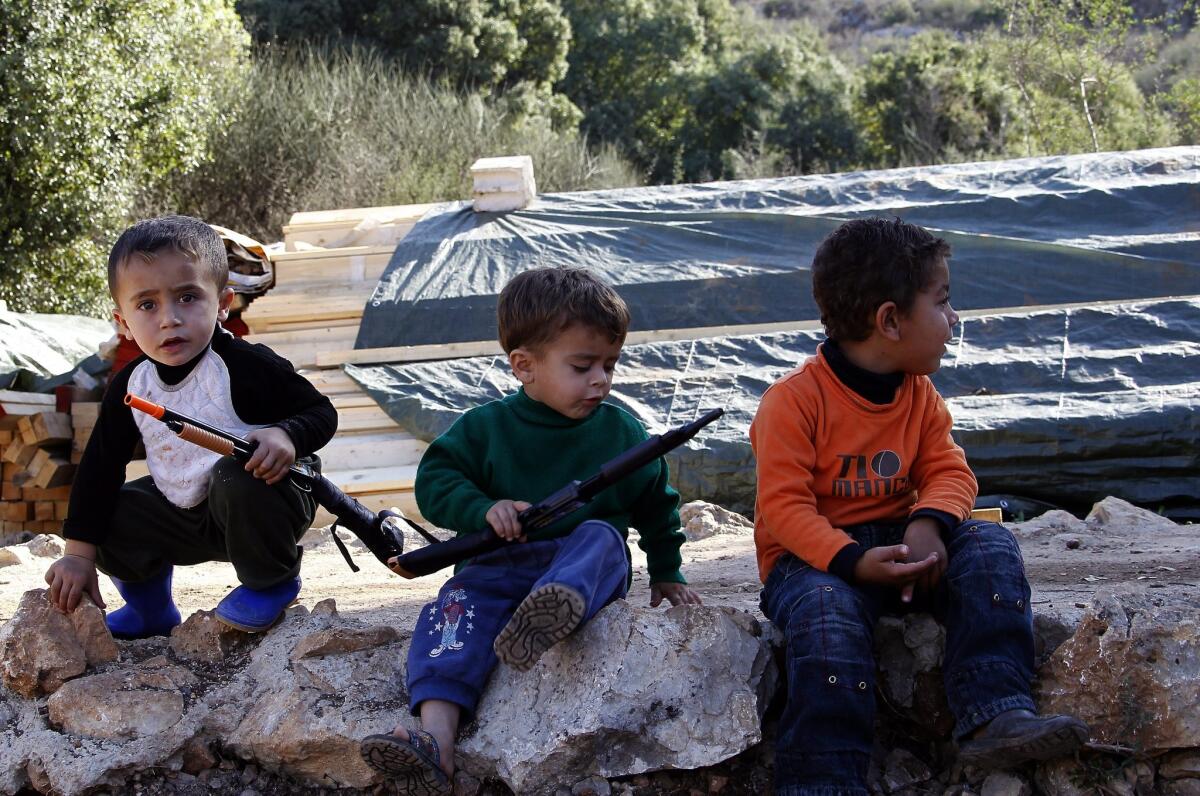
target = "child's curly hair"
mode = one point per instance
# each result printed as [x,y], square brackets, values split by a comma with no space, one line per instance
[866,262]
[539,305]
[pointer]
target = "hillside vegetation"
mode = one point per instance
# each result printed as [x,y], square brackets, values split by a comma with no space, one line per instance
[244,112]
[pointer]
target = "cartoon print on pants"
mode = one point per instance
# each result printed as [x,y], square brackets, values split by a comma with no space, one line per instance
[452,614]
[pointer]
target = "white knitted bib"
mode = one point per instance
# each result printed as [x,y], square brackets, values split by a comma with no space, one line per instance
[181,470]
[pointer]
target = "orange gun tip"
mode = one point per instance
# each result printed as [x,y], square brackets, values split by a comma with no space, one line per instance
[142,405]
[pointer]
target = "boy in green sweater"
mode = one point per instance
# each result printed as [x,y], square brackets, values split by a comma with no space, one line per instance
[563,330]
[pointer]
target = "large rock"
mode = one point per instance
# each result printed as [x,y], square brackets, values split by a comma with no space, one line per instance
[96,730]
[205,639]
[122,704]
[312,690]
[41,647]
[908,653]
[700,520]
[635,690]
[1131,671]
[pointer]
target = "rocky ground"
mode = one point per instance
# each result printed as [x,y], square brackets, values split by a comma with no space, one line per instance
[1069,561]
[722,567]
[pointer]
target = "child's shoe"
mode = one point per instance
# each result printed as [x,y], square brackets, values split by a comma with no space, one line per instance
[256,610]
[148,610]
[544,618]
[1018,736]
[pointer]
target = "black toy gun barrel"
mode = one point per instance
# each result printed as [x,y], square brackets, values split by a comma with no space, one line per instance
[574,495]
[381,532]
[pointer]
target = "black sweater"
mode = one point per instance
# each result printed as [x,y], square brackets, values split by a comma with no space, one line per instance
[265,390]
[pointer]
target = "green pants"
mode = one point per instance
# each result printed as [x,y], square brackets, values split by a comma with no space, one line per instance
[253,525]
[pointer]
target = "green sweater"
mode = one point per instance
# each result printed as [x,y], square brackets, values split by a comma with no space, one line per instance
[520,449]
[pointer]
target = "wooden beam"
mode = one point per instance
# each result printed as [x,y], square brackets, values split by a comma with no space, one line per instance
[45,428]
[357,451]
[16,397]
[424,353]
[19,453]
[351,216]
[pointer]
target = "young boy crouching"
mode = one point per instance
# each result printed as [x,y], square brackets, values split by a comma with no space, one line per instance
[168,278]
[563,330]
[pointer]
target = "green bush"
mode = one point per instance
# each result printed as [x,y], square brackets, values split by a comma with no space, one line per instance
[317,130]
[784,106]
[694,89]
[97,99]
[933,100]
[1073,64]
[489,45]
[1183,103]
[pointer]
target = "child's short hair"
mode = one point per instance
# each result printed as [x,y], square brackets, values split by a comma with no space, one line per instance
[866,262]
[183,235]
[538,305]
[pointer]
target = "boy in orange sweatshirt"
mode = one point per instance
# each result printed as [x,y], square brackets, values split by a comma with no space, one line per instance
[864,504]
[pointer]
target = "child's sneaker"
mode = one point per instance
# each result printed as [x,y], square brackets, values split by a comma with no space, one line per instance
[544,618]
[256,610]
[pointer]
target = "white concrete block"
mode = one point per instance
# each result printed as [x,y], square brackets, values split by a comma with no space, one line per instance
[504,183]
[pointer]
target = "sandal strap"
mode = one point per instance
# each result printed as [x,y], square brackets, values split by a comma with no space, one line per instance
[427,745]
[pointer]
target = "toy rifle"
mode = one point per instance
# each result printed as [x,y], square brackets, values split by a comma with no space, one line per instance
[563,502]
[382,533]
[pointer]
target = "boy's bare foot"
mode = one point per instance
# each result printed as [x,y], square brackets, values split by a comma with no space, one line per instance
[412,759]
[1018,736]
[544,618]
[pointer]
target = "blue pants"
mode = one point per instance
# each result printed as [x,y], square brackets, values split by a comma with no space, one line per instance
[451,654]
[825,734]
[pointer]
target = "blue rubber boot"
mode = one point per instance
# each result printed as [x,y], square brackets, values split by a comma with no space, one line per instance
[256,610]
[148,610]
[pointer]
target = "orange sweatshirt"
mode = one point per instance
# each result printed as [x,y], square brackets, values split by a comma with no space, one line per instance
[828,458]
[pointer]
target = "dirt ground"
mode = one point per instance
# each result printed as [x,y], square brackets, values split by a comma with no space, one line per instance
[722,568]
[1063,567]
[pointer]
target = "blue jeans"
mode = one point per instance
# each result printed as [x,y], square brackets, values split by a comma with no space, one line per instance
[451,655]
[825,734]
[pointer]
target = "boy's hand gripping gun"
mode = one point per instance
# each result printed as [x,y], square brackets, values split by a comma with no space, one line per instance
[382,533]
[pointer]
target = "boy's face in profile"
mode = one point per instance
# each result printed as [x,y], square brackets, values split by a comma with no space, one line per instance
[168,306]
[571,374]
[928,326]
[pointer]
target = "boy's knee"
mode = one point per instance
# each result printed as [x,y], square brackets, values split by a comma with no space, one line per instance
[230,481]
[600,531]
[988,545]
[828,606]
[986,565]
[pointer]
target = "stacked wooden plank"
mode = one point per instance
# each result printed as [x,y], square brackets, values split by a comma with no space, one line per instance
[316,307]
[36,469]
[83,419]
[359,226]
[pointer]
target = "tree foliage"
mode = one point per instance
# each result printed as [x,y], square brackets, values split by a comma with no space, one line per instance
[695,89]
[319,129]
[933,100]
[514,46]
[1072,63]
[97,98]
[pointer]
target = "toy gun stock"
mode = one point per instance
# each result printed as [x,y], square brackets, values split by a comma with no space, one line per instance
[563,502]
[381,532]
